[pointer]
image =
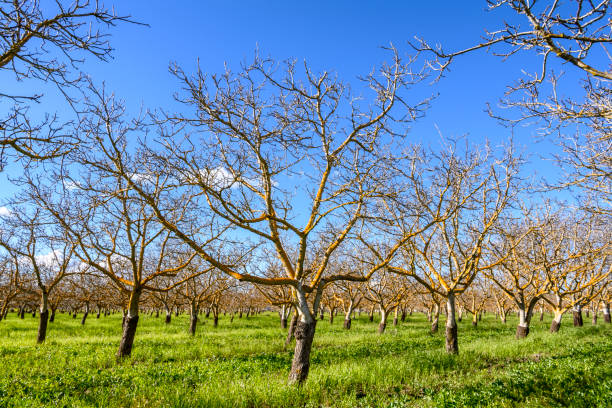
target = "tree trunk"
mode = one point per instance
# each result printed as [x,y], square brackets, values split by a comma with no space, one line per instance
[522,330]
[435,318]
[44,318]
[606,312]
[556,323]
[283,317]
[304,335]
[578,322]
[22,313]
[475,319]
[85,314]
[168,315]
[129,326]
[42,327]
[460,317]
[371,316]
[396,316]
[403,318]
[541,314]
[52,318]
[594,319]
[291,329]
[193,319]
[452,344]
[216,320]
[383,321]
[347,317]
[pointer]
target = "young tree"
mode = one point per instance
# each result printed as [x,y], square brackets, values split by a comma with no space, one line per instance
[350,296]
[42,251]
[386,290]
[574,253]
[11,282]
[467,193]
[520,276]
[116,235]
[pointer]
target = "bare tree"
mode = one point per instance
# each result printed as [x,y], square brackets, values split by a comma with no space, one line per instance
[574,254]
[40,248]
[472,190]
[116,235]
[520,276]
[293,165]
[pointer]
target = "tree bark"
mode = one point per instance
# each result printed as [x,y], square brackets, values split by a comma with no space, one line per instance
[42,327]
[129,326]
[383,321]
[435,318]
[193,319]
[291,329]
[556,323]
[452,344]
[577,313]
[85,315]
[52,318]
[522,330]
[168,315]
[43,319]
[304,335]
[606,312]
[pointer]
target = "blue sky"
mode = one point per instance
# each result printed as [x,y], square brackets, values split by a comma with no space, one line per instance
[342,36]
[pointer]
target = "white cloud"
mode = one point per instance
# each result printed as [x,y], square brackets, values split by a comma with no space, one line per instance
[5,212]
[220,177]
[50,259]
[142,177]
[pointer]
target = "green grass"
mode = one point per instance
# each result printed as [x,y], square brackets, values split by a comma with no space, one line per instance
[242,364]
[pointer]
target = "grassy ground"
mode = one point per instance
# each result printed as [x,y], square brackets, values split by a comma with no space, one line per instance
[242,364]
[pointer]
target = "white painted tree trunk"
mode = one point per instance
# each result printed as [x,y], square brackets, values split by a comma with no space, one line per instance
[452,345]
